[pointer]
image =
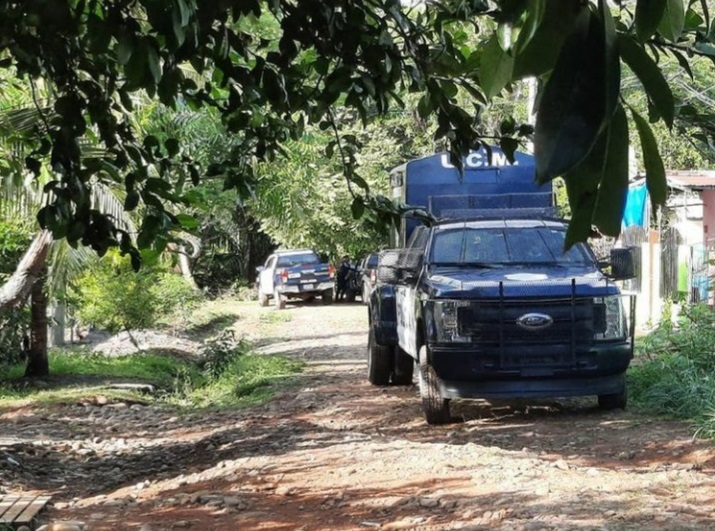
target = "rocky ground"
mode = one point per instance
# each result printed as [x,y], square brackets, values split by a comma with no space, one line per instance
[331,452]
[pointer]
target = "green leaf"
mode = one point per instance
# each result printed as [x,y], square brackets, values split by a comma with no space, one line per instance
[357,208]
[424,106]
[650,75]
[538,56]
[131,201]
[579,97]
[649,13]
[671,26]
[654,170]
[612,191]
[495,68]
[184,11]
[187,222]
[154,61]
[178,27]
[172,146]
[33,165]
[535,14]
[125,47]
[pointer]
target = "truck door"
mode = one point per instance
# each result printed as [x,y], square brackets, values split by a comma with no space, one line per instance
[405,298]
[267,275]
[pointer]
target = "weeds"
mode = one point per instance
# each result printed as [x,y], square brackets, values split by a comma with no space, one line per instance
[227,375]
[675,377]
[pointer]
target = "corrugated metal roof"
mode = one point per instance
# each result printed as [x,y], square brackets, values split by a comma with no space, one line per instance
[693,180]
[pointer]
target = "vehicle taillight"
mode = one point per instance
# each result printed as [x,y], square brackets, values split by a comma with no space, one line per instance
[284,275]
[373,276]
[331,271]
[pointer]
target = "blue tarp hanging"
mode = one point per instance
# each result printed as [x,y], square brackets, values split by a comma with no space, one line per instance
[634,213]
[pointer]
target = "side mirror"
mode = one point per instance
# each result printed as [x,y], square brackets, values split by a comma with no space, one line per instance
[623,264]
[259,269]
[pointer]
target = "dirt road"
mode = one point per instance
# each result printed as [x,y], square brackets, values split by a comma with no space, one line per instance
[332,452]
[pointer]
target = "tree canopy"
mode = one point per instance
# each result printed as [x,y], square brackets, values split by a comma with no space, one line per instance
[271,68]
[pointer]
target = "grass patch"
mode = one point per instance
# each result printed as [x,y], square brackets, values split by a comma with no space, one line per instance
[275,317]
[247,380]
[228,376]
[157,369]
[674,372]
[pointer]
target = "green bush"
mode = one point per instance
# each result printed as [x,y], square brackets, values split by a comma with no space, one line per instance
[113,297]
[15,238]
[675,376]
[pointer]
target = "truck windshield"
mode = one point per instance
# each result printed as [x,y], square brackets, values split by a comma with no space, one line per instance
[298,259]
[505,245]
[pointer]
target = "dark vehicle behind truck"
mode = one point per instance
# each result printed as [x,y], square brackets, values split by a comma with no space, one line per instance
[486,302]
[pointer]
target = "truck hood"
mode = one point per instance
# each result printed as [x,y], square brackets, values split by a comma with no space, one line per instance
[517,281]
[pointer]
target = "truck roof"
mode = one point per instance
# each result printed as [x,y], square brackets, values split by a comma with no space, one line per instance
[501,223]
[293,251]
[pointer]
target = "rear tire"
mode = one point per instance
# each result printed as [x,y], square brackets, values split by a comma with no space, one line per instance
[350,296]
[434,407]
[279,300]
[327,296]
[404,367]
[614,401]
[262,298]
[378,361]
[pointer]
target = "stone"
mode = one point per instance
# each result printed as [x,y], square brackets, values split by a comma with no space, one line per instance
[428,503]
[231,501]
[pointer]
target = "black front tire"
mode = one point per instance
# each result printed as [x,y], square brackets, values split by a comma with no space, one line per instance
[404,367]
[327,296]
[614,401]
[378,361]
[434,407]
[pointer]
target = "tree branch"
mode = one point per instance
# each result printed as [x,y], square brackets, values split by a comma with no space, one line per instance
[16,290]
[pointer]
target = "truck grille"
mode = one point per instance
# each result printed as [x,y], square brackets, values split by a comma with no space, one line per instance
[493,328]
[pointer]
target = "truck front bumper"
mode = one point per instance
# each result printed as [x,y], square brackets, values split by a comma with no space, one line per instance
[465,373]
[534,387]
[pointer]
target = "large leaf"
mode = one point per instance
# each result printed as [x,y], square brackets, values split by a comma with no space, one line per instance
[597,186]
[538,48]
[495,67]
[650,75]
[579,97]
[535,15]
[649,13]
[671,26]
[612,192]
[654,170]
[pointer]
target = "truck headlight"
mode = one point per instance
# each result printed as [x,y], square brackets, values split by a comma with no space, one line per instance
[446,321]
[609,319]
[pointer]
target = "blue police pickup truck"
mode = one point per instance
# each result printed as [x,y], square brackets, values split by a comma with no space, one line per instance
[295,274]
[486,303]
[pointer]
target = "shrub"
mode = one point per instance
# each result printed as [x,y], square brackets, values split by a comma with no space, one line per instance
[675,376]
[15,238]
[113,297]
[219,352]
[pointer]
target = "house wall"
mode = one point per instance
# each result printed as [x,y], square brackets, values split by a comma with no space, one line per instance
[708,215]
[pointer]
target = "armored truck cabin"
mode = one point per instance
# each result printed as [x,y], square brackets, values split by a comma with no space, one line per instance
[486,302]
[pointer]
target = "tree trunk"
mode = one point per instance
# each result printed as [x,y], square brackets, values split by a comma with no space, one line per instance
[59,324]
[185,266]
[37,362]
[16,290]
